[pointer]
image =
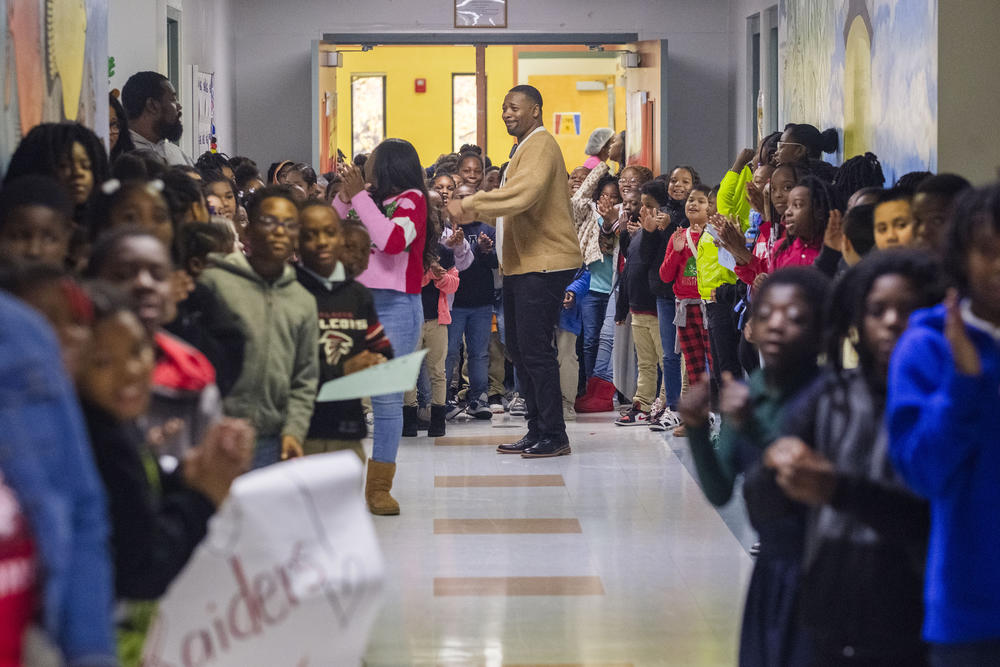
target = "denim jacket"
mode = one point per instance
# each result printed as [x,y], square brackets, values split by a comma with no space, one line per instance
[45,458]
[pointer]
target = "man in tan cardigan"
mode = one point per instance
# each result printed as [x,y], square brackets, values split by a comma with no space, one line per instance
[539,255]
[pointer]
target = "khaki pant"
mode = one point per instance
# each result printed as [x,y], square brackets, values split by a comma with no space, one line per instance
[496,372]
[323,445]
[434,337]
[569,365]
[648,351]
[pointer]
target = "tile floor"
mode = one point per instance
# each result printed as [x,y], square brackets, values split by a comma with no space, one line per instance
[610,556]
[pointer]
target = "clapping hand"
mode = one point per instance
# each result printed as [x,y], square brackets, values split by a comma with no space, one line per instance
[354,182]
[802,473]
[697,402]
[967,359]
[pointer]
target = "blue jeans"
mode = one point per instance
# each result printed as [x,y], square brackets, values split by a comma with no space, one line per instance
[665,308]
[594,307]
[267,451]
[402,317]
[604,361]
[474,324]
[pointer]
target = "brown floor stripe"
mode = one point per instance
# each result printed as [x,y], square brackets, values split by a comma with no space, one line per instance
[498,480]
[448,586]
[504,526]
[468,440]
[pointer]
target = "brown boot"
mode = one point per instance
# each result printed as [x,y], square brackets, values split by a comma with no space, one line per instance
[377,488]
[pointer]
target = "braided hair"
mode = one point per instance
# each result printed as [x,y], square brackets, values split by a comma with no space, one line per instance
[909,182]
[861,171]
[823,198]
[845,309]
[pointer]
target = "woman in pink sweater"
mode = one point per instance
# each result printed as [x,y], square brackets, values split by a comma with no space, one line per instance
[394,210]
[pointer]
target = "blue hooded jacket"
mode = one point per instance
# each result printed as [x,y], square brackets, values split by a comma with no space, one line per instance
[46,460]
[944,430]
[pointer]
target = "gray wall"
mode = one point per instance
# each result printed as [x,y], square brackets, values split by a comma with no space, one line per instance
[273,109]
[968,89]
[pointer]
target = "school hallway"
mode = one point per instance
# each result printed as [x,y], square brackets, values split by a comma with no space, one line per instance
[609,556]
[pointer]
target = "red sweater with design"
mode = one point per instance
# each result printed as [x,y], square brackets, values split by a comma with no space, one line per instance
[680,267]
[398,237]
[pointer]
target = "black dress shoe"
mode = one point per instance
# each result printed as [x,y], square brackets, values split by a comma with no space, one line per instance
[520,446]
[547,447]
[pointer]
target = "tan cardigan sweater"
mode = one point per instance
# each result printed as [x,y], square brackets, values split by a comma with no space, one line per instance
[538,229]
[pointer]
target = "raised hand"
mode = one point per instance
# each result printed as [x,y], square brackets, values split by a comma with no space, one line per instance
[734,399]
[605,208]
[756,196]
[485,242]
[354,182]
[456,237]
[697,402]
[743,159]
[457,213]
[677,240]
[802,473]
[833,237]
[223,455]
[662,220]
[967,359]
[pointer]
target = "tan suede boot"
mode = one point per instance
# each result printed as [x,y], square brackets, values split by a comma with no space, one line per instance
[377,488]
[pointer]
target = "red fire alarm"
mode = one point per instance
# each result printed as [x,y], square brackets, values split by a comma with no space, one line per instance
[420,85]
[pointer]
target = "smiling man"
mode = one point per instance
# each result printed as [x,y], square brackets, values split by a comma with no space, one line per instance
[277,386]
[154,116]
[539,254]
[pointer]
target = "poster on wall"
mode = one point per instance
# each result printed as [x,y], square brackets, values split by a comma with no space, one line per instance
[567,122]
[204,109]
[55,67]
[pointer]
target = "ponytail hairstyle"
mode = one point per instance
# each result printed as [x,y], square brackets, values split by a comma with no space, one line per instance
[861,171]
[816,142]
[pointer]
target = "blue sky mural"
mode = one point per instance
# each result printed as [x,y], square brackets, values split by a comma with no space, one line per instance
[868,66]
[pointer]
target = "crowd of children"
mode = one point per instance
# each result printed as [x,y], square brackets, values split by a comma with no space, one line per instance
[792,322]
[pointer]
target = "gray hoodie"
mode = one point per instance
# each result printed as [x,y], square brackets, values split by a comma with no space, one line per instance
[277,386]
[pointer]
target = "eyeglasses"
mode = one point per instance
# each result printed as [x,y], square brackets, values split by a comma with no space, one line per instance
[628,181]
[790,144]
[270,224]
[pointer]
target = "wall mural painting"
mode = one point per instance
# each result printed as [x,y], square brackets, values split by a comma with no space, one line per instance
[869,69]
[54,66]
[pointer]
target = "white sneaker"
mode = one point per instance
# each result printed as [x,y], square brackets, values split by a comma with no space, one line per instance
[668,420]
[496,404]
[569,412]
[518,408]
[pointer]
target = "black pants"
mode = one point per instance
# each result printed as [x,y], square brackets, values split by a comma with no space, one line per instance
[725,340]
[532,303]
